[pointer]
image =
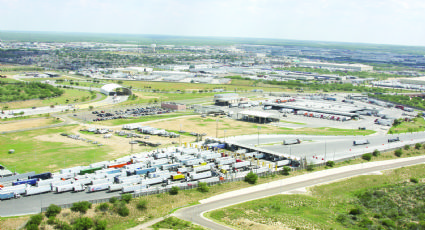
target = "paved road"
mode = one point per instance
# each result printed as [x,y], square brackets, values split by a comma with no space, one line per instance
[195,213]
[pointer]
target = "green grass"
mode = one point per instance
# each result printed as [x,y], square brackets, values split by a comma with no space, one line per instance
[36,155]
[319,209]
[143,119]
[417,125]
[293,122]
[176,223]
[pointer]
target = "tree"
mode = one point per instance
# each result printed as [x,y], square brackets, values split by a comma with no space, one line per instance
[286,170]
[35,221]
[203,187]
[91,107]
[376,153]
[174,190]
[398,152]
[122,210]
[418,146]
[251,178]
[113,200]
[330,163]
[406,147]
[103,207]
[100,224]
[83,223]
[52,210]
[81,207]
[396,122]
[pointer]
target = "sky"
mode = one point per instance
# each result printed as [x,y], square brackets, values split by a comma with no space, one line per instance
[400,22]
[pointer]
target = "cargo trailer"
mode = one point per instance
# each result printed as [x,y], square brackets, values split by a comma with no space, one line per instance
[89,170]
[133,188]
[291,141]
[41,176]
[29,181]
[198,176]
[241,164]
[64,188]
[6,195]
[99,187]
[37,190]
[361,142]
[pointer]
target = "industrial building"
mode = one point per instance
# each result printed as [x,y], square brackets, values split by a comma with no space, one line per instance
[351,67]
[115,90]
[173,106]
[226,98]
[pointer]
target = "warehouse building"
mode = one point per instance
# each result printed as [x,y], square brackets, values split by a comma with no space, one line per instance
[350,67]
[226,99]
[115,90]
[257,116]
[173,106]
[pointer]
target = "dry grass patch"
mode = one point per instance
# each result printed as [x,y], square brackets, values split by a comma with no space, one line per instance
[25,124]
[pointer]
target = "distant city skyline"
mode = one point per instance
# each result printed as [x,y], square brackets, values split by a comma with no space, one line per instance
[398,22]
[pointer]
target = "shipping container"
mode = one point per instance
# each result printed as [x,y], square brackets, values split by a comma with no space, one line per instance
[199,176]
[29,181]
[89,170]
[41,176]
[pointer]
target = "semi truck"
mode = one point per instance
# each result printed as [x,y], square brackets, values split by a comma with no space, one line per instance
[64,188]
[291,141]
[41,176]
[132,188]
[198,176]
[37,190]
[152,181]
[7,195]
[99,187]
[394,139]
[361,142]
[241,164]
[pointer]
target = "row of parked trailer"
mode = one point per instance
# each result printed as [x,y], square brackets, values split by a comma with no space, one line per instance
[322,115]
[170,167]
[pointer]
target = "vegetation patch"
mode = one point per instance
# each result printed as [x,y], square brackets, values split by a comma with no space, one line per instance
[176,223]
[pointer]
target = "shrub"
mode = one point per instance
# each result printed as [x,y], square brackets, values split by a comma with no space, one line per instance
[112,200]
[122,210]
[100,224]
[174,190]
[376,153]
[51,220]
[251,178]
[82,206]
[286,170]
[388,223]
[310,167]
[367,156]
[83,223]
[103,207]
[62,225]
[418,146]
[35,220]
[31,227]
[330,163]
[414,180]
[126,198]
[406,147]
[52,210]
[203,187]
[355,211]
[142,205]
[398,152]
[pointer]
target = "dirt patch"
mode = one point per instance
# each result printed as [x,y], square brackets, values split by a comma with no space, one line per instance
[25,124]
[249,224]
[13,223]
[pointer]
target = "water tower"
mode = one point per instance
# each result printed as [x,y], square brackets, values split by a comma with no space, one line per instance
[153,47]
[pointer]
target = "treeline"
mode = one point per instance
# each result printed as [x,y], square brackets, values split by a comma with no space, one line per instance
[402,99]
[21,91]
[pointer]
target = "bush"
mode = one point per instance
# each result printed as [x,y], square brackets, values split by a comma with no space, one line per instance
[203,187]
[286,170]
[414,180]
[126,198]
[103,207]
[388,223]
[100,224]
[310,167]
[122,210]
[142,205]
[62,225]
[418,146]
[330,163]
[113,200]
[355,211]
[398,152]
[406,147]
[376,153]
[34,220]
[31,227]
[367,156]
[52,210]
[174,190]
[82,206]
[251,178]
[83,223]
[51,220]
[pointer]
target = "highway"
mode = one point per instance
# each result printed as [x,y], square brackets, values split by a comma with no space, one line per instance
[195,213]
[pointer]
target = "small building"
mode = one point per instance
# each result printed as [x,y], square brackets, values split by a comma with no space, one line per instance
[257,116]
[115,89]
[226,99]
[173,106]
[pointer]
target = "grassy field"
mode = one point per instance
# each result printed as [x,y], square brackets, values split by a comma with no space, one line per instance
[416,125]
[27,123]
[38,151]
[176,223]
[72,95]
[142,119]
[324,205]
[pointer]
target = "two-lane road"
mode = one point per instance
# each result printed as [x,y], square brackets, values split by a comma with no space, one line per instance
[195,213]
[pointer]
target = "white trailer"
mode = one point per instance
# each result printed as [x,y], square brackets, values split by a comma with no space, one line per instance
[194,162]
[202,168]
[79,187]
[209,180]
[64,188]
[99,187]
[159,162]
[117,187]
[61,182]
[75,170]
[260,170]
[132,188]
[199,176]
[84,181]
[41,183]
[63,175]
[17,189]
[130,180]
[102,181]
[182,170]
[161,155]
[37,190]
[211,156]
[291,141]
[283,163]
[241,164]
[227,161]
[101,164]
[151,181]
[361,142]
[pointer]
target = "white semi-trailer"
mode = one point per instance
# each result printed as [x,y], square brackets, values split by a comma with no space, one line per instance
[38,190]
[199,176]
[291,141]
[361,142]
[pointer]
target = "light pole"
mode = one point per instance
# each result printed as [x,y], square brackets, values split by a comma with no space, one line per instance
[258,141]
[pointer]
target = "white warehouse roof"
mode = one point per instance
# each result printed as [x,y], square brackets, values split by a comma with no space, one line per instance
[111,88]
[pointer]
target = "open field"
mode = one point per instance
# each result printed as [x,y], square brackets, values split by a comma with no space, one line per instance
[324,205]
[72,95]
[143,119]
[234,128]
[27,123]
[416,125]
